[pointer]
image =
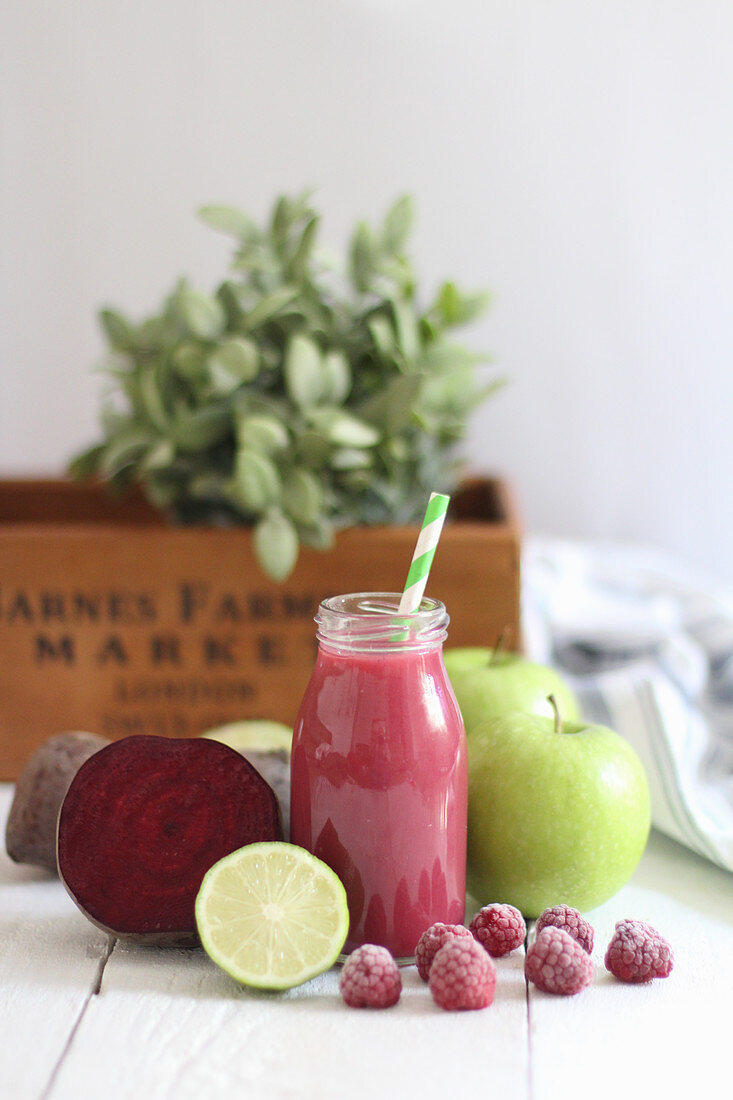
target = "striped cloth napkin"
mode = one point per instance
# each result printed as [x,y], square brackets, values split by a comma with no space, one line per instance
[648,647]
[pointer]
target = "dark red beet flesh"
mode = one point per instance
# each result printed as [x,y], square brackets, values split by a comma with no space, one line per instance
[143,821]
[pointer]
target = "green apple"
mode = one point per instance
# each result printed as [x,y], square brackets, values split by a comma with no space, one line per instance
[557,813]
[487,683]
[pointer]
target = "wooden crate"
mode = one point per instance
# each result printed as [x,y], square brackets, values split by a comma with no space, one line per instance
[114,622]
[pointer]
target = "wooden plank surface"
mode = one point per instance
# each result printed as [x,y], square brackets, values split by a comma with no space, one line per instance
[668,1038]
[171,1025]
[165,1023]
[50,958]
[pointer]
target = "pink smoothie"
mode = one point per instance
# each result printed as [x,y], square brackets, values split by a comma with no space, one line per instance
[379,790]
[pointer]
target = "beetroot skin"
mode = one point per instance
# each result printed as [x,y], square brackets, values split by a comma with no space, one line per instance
[30,835]
[143,821]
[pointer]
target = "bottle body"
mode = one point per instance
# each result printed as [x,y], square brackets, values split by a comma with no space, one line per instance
[379,783]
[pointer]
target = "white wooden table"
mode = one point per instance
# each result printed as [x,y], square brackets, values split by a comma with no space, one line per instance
[82,1018]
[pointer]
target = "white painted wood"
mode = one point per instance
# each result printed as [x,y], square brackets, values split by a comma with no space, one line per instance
[670,1038]
[171,1025]
[49,959]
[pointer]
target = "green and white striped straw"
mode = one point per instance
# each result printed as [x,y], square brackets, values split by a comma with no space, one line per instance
[422,558]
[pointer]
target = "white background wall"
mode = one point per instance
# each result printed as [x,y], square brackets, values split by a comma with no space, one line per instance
[574,156]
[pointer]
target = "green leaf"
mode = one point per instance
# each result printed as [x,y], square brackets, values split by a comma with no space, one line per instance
[344,430]
[156,334]
[298,266]
[262,433]
[189,360]
[362,258]
[456,308]
[448,303]
[275,543]
[397,448]
[451,393]
[351,458]
[227,219]
[202,315]
[407,328]
[151,397]
[397,225]
[272,402]
[472,306]
[357,482]
[445,356]
[313,448]
[319,536]
[86,464]
[267,307]
[337,377]
[281,218]
[234,361]
[429,329]
[304,372]
[383,335]
[302,496]
[260,263]
[160,455]
[208,486]
[391,407]
[256,480]
[229,294]
[118,330]
[124,450]
[199,429]
[113,421]
[287,213]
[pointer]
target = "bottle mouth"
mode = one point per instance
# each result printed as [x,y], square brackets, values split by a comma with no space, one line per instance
[362,621]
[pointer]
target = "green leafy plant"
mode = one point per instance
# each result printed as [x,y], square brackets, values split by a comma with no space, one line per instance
[294,399]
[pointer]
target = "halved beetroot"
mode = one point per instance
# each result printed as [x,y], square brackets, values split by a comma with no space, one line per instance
[143,821]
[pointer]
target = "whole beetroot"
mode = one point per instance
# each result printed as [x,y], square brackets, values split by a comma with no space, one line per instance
[274,767]
[30,834]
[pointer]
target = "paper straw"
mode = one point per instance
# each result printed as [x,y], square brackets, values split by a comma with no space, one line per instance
[422,558]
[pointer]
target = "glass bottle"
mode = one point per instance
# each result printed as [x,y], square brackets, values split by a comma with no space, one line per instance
[378,769]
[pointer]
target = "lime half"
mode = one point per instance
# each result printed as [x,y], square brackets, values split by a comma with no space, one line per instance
[272,915]
[259,735]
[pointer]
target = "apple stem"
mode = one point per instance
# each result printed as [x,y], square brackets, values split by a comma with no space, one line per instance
[556,710]
[498,648]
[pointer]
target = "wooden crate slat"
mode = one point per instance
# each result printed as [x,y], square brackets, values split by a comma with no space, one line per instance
[121,628]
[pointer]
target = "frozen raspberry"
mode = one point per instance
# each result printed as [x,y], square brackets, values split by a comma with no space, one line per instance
[569,919]
[637,953]
[499,929]
[370,978]
[462,975]
[556,963]
[431,942]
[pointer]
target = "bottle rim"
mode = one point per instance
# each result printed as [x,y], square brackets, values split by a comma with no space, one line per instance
[370,621]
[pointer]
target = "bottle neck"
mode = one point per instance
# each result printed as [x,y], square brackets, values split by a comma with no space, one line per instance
[369,622]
